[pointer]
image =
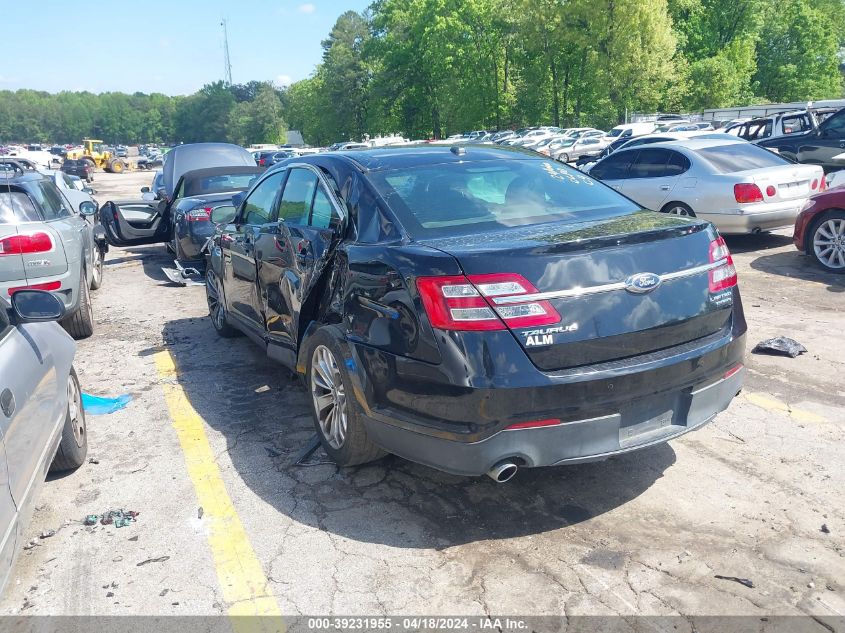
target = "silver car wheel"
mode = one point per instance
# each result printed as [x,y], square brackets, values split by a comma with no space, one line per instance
[329,396]
[829,243]
[97,273]
[77,417]
[679,211]
[215,304]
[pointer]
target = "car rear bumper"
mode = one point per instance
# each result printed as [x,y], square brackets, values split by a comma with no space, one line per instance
[604,410]
[568,442]
[750,220]
[68,292]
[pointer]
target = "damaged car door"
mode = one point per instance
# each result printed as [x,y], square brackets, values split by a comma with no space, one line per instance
[293,254]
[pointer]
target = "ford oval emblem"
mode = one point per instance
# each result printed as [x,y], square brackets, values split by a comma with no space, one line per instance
[642,283]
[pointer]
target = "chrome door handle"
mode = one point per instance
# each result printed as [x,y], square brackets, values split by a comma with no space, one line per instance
[665,187]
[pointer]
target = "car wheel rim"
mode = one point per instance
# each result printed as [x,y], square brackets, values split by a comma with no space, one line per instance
[98,267]
[829,243]
[215,306]
[679,211]
[77,417]
[329,396]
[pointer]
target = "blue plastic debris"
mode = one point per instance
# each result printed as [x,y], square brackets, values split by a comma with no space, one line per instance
[102,406]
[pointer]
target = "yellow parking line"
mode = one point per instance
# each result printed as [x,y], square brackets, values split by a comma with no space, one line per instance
[770,404]
[242,579]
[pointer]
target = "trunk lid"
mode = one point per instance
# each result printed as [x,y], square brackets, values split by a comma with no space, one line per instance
[582,269]
[790,182]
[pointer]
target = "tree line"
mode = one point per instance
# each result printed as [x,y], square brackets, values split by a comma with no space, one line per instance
[427,68]
[241,113]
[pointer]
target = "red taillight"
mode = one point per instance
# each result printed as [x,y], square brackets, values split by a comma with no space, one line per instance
[469,303]
[815,184]
[823,184]
[724,276]
[199,215]
[733,371]
[261,162]
[746,192]
[771,191]
[533,425]
[50,285]
[26,244]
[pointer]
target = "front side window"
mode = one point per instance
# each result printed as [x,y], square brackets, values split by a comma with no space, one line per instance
[835,125]
[614,167]
[295,205]
[435,200]
[258,207]
[323,214]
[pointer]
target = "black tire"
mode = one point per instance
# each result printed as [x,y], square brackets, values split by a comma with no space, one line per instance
[217,306]
[356,447]
[838,218]
[679,209]
[97,273]
[564,158]
[73,447]
[80,324]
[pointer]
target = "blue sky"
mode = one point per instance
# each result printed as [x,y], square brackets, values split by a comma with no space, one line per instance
[154,46]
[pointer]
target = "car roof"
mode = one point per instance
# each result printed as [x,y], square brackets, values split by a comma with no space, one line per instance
[692,144]
[28,176]
[418,156]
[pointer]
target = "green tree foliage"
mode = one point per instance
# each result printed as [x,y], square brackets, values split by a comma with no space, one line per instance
[798,54]
[427,68]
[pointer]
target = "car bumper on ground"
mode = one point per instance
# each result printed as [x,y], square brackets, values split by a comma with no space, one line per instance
[613,411]
[746,220]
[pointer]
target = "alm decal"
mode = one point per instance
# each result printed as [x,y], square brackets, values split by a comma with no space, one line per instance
[546,336]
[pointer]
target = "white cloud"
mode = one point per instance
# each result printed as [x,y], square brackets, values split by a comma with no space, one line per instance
[307,8]
[283,80]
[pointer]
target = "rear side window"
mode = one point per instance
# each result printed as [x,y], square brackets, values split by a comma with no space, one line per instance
[50,199]
[795,123]
[15,207]
[614,167]
[456,199]
[727,159]
[650,163]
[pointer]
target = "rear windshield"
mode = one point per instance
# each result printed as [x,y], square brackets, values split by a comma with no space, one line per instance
[727,159]
[455,199]
[15,206]
[218,184]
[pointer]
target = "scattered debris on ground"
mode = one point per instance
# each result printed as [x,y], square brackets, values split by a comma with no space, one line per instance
[93,460]
[95,405]
[780,346]
[742,581]
[200,512]
[47,534]
[118,518]
[160,559]
[825,529]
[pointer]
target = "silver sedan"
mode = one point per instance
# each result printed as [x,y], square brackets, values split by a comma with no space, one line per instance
[738,186]
[42,423]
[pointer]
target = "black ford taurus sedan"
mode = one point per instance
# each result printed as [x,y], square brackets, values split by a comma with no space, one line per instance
[479,309]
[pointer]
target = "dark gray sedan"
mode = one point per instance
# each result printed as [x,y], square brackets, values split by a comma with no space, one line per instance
[42,423]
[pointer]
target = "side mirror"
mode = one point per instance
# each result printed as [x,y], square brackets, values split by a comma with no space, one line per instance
[31,306]
[238,198]
[87,208]
[148,196]
[145,190]
[223,215]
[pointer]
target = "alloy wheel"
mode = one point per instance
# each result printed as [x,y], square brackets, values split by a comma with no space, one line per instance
[77,417]
[329,396]
[829,243]
[679,211]
[215,305]
[98,268]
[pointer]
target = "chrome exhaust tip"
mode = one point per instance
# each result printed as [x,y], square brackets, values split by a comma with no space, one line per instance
[503,471]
